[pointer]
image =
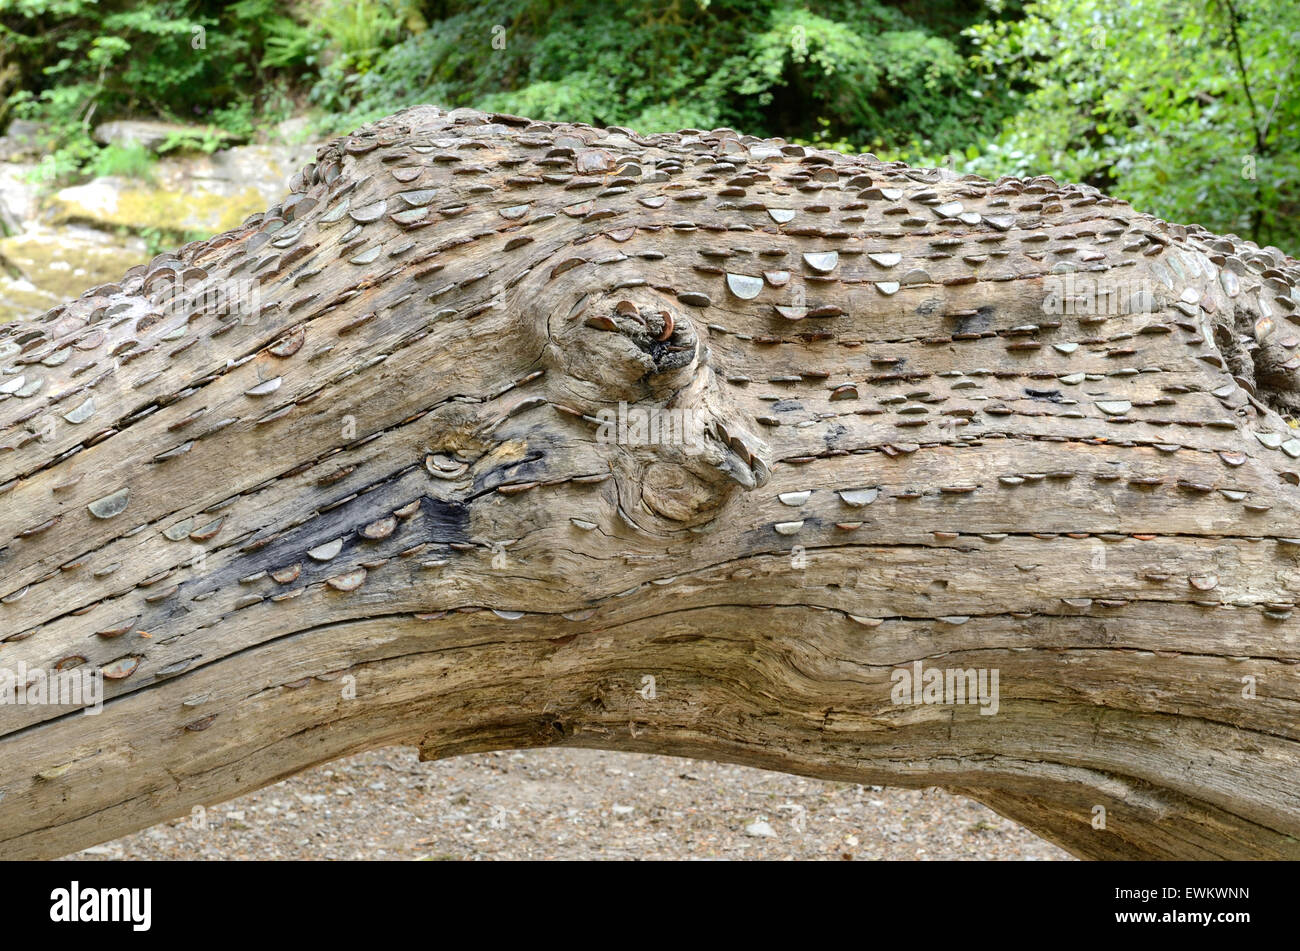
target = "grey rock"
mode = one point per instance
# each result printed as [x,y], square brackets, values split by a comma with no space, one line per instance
[151,134]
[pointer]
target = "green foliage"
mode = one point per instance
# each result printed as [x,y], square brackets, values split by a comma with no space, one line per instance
[286,43]
[1190,110]
[127,161]
[358,31]
[205,139]
[867,71]
[116,56]
[82,62]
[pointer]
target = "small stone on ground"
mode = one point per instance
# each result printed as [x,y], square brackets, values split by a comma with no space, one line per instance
[576,804]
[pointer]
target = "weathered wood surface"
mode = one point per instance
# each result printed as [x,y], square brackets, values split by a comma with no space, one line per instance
[388,480]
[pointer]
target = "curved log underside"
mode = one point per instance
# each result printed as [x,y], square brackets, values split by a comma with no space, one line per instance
[1011,427]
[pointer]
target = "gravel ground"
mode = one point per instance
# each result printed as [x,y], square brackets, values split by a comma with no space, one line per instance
[577,804]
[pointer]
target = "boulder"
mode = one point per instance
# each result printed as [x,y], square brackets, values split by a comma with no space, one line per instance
[22,140]
[19,198]
[20,299]
[42,267]
[293,131]
[195,193]
[152,134]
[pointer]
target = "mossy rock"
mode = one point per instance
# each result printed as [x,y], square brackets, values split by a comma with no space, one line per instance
[153,135]
[41,267]
[117,203]
[19,298]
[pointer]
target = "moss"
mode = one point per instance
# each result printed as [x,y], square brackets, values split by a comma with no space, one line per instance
[141,209]
[58,266]
[19,299]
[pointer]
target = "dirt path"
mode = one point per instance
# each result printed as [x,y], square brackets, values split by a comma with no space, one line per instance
[577,804]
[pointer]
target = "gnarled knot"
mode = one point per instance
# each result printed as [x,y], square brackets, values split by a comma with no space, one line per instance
[632,344]
[666,338]
[684,458]
[689,482]
[637,368]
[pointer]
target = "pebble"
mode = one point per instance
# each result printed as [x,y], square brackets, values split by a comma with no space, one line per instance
[562,804]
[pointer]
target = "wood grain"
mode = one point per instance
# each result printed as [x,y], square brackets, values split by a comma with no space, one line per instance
[338,479]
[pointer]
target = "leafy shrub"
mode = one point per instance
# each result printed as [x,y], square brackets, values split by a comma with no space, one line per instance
[83,61]
[775,67]
[127,161]
[1190,110]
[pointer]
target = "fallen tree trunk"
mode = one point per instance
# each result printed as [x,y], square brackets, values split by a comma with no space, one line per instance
[505,434]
